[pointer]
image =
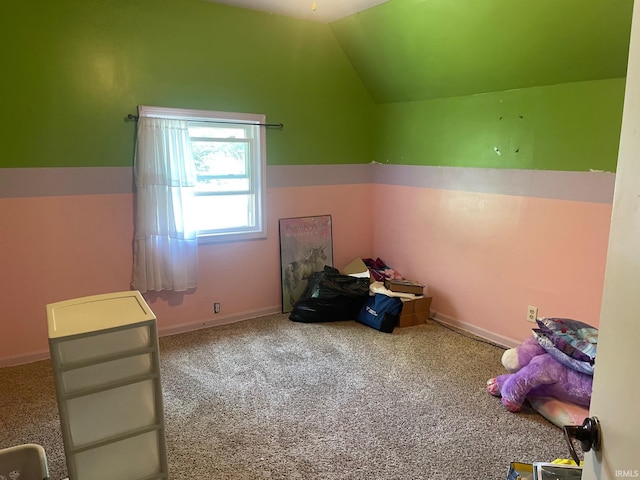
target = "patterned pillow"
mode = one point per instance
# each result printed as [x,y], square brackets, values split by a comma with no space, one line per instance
[573,337]
[560,356]
[561,344]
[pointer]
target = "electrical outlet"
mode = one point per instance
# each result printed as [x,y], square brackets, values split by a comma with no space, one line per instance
[532,314]
[216,307]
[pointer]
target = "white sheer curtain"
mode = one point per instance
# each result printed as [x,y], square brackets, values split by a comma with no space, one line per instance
[165,253]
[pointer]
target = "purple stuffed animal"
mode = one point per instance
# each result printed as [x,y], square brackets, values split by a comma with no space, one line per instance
[536,373]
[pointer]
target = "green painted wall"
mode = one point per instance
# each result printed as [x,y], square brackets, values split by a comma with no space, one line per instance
[573,126]
[73,70]
[408,50]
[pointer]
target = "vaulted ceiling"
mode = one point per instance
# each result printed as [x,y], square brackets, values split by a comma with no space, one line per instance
[323,11]
[406,50]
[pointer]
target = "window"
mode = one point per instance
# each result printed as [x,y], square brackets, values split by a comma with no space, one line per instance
[229,156]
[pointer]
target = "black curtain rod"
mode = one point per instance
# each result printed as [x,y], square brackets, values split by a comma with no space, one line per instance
[131,116]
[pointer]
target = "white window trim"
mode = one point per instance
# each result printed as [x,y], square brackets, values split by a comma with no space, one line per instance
[260,231]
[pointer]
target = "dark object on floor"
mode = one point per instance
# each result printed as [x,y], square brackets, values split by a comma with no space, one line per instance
[381,312]
[330,296]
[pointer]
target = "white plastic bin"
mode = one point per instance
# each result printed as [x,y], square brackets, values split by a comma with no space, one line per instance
[106,367]
[24,462]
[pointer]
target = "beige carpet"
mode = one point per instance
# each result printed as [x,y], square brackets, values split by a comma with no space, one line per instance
[272,399]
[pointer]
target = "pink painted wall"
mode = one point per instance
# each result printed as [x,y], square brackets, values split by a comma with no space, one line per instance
[485,257]
[57,248]
[245,276]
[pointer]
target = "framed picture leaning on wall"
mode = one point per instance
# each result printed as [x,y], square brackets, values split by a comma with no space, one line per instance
[306,246]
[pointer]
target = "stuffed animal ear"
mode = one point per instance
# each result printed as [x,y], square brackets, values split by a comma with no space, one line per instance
[510,360]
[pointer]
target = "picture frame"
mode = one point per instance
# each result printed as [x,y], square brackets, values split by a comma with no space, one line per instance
[306,246]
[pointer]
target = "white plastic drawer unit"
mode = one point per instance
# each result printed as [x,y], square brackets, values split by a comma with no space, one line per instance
[104,352]
[24,462]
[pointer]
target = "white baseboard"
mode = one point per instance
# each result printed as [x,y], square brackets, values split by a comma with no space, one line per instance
[22,359]
[223,320]
[219,320]
[173,330]
[475,330]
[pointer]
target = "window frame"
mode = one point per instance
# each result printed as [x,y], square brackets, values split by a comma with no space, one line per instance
[257,166]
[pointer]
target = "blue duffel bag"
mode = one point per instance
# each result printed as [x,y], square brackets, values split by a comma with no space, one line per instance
[381,312]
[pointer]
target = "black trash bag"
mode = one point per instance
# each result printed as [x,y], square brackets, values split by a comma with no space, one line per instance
[316,310]
[330,296]
[330,283]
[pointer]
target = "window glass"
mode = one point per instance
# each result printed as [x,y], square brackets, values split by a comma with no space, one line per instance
[229,158]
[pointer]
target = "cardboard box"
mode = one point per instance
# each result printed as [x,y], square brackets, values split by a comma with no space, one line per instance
[405,286]
[414,311]
[356,268]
